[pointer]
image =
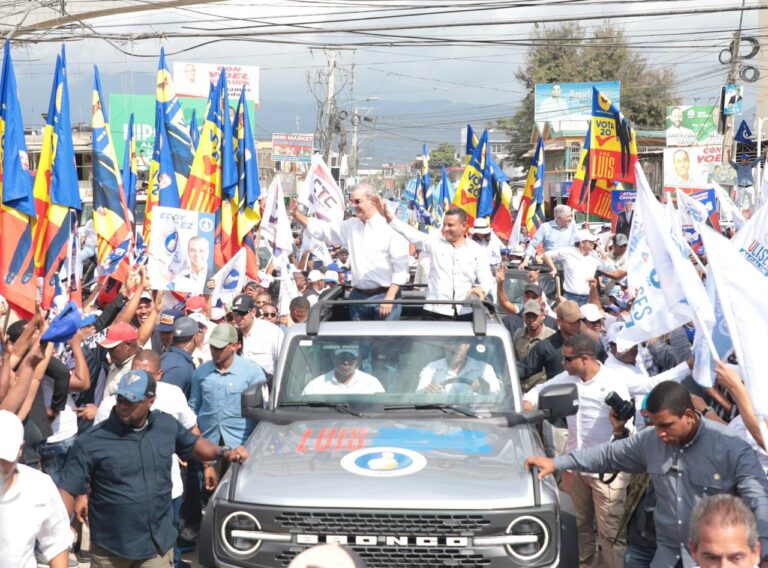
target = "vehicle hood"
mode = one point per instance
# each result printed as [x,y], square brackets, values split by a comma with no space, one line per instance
[410,464]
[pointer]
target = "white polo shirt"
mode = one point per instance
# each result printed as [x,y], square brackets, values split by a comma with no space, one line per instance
[262,344]
[578,269]
[360,383]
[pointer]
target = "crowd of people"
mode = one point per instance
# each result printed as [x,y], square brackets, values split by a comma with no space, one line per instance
[127,421]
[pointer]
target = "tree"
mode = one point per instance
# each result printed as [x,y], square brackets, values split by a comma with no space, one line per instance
[443,155]
[566,54]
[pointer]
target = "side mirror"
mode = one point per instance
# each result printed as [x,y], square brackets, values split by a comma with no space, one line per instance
[559,401]
[252,400]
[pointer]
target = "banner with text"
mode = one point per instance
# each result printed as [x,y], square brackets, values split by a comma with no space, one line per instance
[194,80]
[695,167]
[292,147]
[692,125]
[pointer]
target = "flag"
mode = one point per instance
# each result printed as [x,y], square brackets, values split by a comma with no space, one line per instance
[110,213]
[248,187]
[752,240]
[17,207]
[515,236]
[275,228]
[692,213]
[56,188]
[321,194]
[613,144]
[194,133]
[745,309]
[162,189]
[177,132]
[130,171]
[115,258]
[442,198]
[470,185]
[532,203]
[588,194]
[425,180]
[230,279]
[472,141]
[410,189]
[728,207]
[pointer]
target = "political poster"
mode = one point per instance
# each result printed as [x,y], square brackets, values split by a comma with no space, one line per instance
[194,80]
[695,167]
[733,95]
[620,198]
[568,106]
[292,147]
[692,125]
[180,250]
[229,281]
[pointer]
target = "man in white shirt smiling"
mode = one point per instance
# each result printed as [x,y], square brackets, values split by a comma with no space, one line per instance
[345,378]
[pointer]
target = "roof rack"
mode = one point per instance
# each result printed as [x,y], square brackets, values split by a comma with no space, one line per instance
[481,310]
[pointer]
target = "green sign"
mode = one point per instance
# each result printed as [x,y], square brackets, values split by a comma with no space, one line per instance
[143,109]
[694,125]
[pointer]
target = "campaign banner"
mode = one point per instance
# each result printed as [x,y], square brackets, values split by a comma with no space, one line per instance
[228,281]
[695,167]
[180,250]
[620,198]
[692,125]
[194,80]
[292,147]
[733,96]
[599,202]
[569,105]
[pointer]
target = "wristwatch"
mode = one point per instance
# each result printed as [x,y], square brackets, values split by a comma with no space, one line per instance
[707,410]
[224,450]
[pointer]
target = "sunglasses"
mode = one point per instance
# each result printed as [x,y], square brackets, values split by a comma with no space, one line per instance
[346,358]
[357,201]
[481,237]
[568,359]
[269,314]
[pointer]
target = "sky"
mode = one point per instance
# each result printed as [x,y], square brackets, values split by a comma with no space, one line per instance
[417,84]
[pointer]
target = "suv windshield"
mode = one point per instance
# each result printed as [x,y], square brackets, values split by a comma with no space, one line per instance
[397,371]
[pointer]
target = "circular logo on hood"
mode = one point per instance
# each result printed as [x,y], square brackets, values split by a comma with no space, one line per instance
[383,462]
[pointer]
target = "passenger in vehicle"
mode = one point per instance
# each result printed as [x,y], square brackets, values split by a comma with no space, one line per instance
[345,377]
[457,373]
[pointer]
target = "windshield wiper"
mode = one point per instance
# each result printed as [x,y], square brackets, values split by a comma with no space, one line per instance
[434,406]
[340,406]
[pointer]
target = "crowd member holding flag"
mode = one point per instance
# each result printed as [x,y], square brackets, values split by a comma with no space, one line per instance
[378,255]
[554,234]
[458,266]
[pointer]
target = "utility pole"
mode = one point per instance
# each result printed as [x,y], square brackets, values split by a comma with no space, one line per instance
[762,63]
[733,75]
[330,109]
[355,123]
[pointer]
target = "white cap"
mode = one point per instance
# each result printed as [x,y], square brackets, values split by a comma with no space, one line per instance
[315,276]
[200,318]
[622,346]
[12,436]
[584,235]
[481,226]
[590,312]
[331,276]
[218,314]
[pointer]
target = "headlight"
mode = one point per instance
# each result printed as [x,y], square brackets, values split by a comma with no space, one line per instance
[530,527]
[240,533]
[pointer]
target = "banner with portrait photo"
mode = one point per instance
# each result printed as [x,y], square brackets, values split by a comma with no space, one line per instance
[692,125]
[695,167]
[180,250]
[568,106]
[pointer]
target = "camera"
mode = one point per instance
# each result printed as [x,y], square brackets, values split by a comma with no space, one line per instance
[623,409]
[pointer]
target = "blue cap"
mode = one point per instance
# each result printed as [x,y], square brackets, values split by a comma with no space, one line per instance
[167,319]
[136,386]
[64,326]
[90,319]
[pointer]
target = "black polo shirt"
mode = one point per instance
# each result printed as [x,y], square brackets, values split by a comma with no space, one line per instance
[129,472]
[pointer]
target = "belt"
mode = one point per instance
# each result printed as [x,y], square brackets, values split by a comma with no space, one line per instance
[373,291]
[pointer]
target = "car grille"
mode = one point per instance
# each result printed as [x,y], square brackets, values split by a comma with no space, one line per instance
[382,523]
[386,557]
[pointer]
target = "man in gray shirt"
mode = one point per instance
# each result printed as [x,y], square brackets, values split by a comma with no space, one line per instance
[688,459]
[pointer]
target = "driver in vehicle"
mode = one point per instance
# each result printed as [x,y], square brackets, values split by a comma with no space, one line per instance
[345,377]
[457,373]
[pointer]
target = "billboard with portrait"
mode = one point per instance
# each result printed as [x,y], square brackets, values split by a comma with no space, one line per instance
[695,167]
[292,147]
[194,80]
[568,106]
[180,250]
[692,125]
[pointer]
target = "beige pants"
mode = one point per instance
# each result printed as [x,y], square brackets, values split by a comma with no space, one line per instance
[596,503]
[101,558]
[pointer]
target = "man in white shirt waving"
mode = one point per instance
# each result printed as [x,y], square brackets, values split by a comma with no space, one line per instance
[458,266]
[345,378]
[378,256]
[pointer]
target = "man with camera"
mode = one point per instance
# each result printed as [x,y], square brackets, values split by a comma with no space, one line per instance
[595,502]
[688,459]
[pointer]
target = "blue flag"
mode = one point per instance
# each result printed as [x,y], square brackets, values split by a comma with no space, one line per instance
[130,171]
[194,133]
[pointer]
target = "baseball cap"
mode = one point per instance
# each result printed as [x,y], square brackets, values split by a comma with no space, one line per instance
[480,227]
[622,346]
[243,303]
[533,289]
[222,335]
[146,296]
[591,312]
[137,385]
[353,350]
[218,314]
[331,276]
[64,326]
[87,319]
[13,436]
[201,319]
[195,304]
[315,276]
[568,311]
[620,240]
[584,235]
[185,327]
[532,307]
[167,319]
[118,333]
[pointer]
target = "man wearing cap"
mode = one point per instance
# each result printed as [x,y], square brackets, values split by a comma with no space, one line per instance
[341,264]
[554,234]
[121,345]
[458,266]
[345,377]
[165,326]
[617,257]
[217,386]
[31,509]
[525,338]
[315,286]
[261,339]
[483,235]
[580,262]
[126,462]
[331,279]
[176,362]
[744,190]
[378,255]
[195,305]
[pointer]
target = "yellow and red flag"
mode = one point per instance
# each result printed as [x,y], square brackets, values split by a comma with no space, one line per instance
[532,202]
[590,195]
[471,183]
[613,144]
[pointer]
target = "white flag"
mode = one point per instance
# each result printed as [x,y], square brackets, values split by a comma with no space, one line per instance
[275,225]
[321,194]
[739,287]
[320,251]
[752,240]
[514,237]
[728,208]
[229,280]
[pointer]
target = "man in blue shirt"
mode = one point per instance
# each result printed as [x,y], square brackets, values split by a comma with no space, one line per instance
[176,362]
[217,386]
[554,234]
[126,462]
[744,191]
